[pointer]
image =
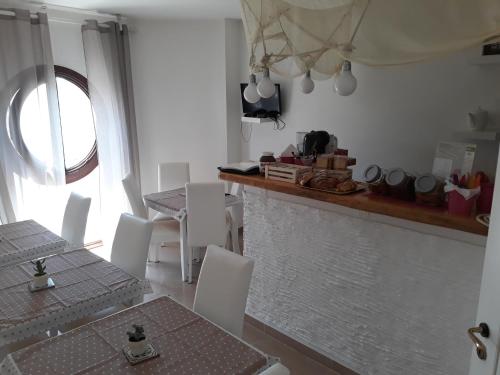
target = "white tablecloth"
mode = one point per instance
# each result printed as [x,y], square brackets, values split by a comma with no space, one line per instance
[85,284]
[27,240]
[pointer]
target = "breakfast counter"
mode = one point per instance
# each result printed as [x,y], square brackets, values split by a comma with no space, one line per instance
[377,285]
[366,201]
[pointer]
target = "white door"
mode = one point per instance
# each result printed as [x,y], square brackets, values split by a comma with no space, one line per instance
[489,300]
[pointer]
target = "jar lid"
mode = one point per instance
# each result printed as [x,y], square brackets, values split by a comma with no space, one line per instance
[267,153]
[425,183]
[395,177]
[372,173]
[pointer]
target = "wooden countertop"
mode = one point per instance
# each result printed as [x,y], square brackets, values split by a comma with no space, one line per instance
[368,202]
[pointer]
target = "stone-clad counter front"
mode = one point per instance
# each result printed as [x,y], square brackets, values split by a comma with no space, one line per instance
[375,293]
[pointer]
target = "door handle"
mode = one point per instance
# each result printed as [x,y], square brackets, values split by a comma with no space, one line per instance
[484,331]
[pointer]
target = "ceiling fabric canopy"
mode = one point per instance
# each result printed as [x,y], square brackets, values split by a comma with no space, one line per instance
[292,36]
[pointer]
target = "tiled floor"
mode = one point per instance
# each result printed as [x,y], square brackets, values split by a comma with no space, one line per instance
[165,279]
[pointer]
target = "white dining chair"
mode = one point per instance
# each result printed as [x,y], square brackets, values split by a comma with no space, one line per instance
[171,175]
[208,222]
[134,196]
[222,290]
[75,220]
[276,369]
[206,214]
[131,244]
[163,230]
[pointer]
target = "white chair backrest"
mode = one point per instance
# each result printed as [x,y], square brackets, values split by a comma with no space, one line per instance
[173,175]
[134,196]
[131,244]
[75,219]
[222,290]
[276,369]
[206,214]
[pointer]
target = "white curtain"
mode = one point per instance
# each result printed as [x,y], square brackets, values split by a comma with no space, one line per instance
[31,151]
[107,59]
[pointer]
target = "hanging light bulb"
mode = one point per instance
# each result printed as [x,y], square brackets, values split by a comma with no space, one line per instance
[265,88]
[307,84]
[250,93]
[345,82]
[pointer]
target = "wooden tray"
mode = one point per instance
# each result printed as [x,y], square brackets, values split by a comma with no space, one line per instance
[361,186]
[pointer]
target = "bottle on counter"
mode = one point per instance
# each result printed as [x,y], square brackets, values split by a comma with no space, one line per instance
[266,158]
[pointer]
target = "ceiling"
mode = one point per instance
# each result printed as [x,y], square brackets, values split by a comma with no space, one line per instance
[158,8]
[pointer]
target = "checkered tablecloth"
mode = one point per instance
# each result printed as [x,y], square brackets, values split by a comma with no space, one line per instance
[84,284]
[26,240]
[186,342]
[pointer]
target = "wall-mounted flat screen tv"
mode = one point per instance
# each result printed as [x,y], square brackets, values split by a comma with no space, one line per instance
[264,107]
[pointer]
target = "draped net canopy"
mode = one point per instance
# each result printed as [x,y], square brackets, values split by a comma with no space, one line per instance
[292,36]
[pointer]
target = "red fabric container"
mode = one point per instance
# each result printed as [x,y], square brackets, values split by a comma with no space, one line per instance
[458,205]
[485,199]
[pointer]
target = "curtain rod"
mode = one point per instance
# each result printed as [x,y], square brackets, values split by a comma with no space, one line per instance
[61,13]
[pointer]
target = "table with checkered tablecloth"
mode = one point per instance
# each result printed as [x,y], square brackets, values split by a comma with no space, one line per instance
[84,284]
[26,240]
[186,342]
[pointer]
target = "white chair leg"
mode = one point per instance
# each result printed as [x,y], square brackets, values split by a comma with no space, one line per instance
[190,264]
[235,238]
[154,252]
[229,242]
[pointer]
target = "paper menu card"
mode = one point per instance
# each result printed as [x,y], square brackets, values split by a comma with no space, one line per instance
[453,157]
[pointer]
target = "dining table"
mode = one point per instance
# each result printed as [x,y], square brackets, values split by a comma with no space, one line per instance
[186,343]
[173,204]
[84,284]
[25,240]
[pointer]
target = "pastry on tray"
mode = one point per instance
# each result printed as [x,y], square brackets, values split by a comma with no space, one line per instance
[347,186]
[324,182]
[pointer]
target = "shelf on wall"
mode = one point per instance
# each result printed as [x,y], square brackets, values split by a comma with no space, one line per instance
[484,135]
[256,120]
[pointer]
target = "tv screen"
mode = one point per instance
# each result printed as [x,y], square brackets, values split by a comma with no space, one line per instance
[263,106]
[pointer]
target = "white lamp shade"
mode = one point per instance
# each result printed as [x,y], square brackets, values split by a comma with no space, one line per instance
[345,82]
[250,93]
[307,84]
[266,88]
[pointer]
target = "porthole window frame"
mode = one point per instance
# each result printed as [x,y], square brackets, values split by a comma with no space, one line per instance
[91,161]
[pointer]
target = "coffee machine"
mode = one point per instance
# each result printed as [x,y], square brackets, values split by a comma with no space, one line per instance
[320,142]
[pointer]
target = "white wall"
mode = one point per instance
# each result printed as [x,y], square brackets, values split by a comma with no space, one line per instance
[395,118]
[235,70]
[178,69]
